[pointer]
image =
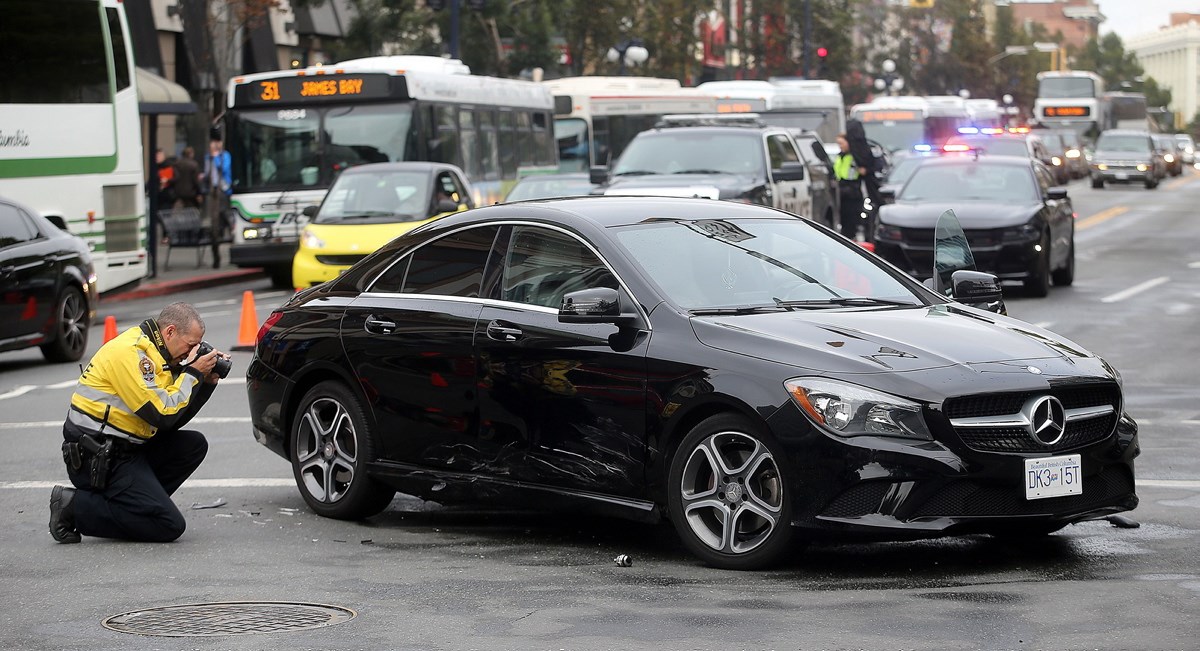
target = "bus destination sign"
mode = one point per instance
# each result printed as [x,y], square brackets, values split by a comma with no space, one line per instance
[1067,111]
[314,89]
[889,115]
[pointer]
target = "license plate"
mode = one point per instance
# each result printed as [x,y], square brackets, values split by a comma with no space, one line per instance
[1053,477]
[1121,176]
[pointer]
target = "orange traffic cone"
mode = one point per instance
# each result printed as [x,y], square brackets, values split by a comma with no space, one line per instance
[110,328]
[248,329]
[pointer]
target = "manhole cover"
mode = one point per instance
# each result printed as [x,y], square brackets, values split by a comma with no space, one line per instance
[228,618]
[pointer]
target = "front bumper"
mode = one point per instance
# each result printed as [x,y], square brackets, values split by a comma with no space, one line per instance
[263,254]
[1122,174]
[1015,260]
[310,267]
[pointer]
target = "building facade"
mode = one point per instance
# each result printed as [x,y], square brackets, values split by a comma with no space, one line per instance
[1077,20]
[1172,56]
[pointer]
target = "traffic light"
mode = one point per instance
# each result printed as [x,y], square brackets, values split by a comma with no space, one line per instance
[822,58]
[822,52]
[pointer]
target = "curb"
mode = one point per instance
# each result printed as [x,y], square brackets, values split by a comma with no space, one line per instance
[145,290]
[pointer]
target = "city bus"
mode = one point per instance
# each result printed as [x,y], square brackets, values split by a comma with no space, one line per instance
[901,123]
[596,117]
[70,133]
[798,104]
[290,132]
[1127,111]
[1071,99]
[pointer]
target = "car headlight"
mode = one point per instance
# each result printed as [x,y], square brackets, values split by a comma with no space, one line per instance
[1072,153]
[1101,166]
[1170,158]
[256,233]
[1056,160]
[1142,167]
[849,410]
[309,240]
[1022,233]
[888,232]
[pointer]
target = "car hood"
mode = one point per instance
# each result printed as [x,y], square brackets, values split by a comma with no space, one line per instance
[708,186]
[888,340]
[972,214]
[351,238]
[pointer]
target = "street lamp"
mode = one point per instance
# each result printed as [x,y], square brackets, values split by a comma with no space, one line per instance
[631,51]
[890,81]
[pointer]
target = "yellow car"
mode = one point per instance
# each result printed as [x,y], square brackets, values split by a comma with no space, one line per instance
[367,207]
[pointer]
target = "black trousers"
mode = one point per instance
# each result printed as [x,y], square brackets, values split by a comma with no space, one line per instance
[136,504]
[850,206]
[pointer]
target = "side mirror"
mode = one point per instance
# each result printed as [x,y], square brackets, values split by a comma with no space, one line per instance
[58,222]
[791,171]
[1057,193]
[978,289]
[446,205]
[598,175]
[887,193]
[594,305]
[310,211]
[821,154]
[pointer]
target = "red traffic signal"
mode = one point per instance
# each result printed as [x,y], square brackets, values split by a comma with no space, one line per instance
[822,52]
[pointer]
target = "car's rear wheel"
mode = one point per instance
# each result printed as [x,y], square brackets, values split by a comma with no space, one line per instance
[1038,282]
[1065,275]
[1098,184]
[331,446]
[70,327]
[727,496]
[1151,184]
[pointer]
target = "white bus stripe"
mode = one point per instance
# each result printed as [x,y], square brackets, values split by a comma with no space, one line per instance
[1126,293]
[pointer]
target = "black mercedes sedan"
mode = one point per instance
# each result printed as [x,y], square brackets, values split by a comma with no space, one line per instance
[755,378]
[1020,225]
[48,291]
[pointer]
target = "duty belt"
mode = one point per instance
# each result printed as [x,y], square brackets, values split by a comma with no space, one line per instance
[100,429]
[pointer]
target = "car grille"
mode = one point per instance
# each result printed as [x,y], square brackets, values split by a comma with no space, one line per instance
[340,260]
[1016,439]
[977,237]
[858,500]
[965,498]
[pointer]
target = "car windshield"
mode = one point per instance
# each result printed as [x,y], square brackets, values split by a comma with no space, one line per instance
[995,146]
[970,181]
[903,168]
[376,197]
[749,265]
[1131,143]
[695,151]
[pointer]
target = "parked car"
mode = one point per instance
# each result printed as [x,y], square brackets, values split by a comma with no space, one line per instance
[1172,155]
[1126,155]
[367,206]
[736,157]
[48,284]
[548,186]
[1188,146]
[1020,225]
[726,366]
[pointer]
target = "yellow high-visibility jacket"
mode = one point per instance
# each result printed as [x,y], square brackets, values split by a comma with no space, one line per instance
[129,391]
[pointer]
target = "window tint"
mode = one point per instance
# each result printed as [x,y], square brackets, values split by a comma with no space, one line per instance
[54,53]
[543,265]
[119,57]
[450,266]
[1045,181]
[14,227]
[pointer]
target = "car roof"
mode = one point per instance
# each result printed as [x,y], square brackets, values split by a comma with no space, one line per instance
[410,166]
[614,210]
[990,159]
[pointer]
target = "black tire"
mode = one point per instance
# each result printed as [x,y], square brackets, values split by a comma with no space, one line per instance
[331,445]
[1150,185]
[1038,284]
[1098,184]
[1064,276]
[747,489]
[281,277]
[71,325]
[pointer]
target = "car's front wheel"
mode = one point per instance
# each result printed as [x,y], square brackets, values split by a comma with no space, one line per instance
[331,446]
[71,321]
[727,496]
[1065,275]
[1038,282]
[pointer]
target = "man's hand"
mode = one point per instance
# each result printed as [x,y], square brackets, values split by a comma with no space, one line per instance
[205,363]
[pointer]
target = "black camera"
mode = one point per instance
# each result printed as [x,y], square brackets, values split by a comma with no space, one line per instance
[224,364]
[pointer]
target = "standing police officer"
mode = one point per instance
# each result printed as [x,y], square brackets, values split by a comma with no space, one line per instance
[848,173]
[124,447]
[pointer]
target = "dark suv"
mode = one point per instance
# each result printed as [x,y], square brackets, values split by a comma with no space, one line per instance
[1124,156]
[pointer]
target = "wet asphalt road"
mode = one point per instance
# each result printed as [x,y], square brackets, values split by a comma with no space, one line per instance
[424,577]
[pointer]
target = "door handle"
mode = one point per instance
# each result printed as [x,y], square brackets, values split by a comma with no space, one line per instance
[500,332]
[379,326]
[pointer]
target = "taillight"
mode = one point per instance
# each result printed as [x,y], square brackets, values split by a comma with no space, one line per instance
[271,320]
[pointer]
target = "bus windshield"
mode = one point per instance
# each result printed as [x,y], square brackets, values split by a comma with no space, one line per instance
[296,148]
[1066,87]
[823,123]
[572,137]
[896,135]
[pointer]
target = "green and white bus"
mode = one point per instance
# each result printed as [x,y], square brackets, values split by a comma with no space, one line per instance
[289,134]
[70,134]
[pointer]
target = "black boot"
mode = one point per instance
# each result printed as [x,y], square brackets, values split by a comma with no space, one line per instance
[62,515]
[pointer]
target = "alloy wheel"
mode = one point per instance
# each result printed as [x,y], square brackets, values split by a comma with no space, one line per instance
[72,329]
[732,492]
[326,450]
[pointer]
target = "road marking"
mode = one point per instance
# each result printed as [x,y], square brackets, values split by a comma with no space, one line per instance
[63,385]
[1100,217]
[1169,483]
[1194,265]
[1136,289]
[43,424]
[1176,183]
[245,482]
[19,391]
